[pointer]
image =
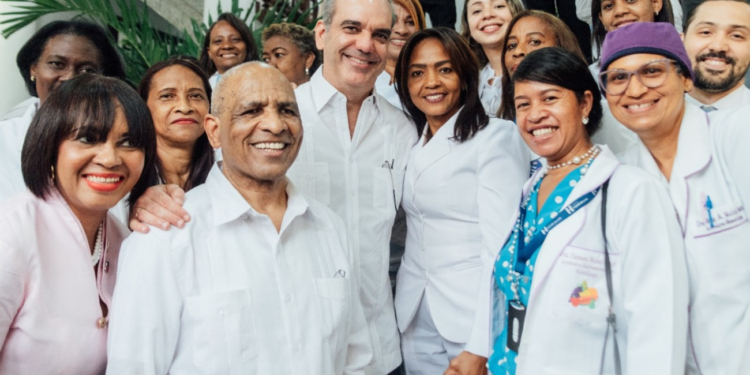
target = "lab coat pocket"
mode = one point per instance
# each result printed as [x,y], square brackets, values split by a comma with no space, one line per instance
[387,189]
[581,288]
[223,331]
[314,180]
[333,301]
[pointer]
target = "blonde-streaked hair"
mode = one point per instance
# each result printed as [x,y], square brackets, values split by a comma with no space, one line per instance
[414,7]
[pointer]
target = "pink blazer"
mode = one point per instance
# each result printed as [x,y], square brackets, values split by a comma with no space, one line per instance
[50,318]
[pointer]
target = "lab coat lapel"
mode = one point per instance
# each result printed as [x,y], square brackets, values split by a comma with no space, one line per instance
[693,155]
[439,146]
[558,239]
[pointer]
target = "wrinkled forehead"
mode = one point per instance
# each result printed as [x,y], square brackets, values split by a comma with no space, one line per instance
[265,85]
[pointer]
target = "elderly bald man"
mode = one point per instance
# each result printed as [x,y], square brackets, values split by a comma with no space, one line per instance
[258,281]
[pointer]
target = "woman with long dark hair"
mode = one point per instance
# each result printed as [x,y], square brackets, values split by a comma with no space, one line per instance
[178,96]
[461,183]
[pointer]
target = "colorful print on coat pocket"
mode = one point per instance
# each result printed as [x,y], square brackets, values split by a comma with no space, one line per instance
[584,296]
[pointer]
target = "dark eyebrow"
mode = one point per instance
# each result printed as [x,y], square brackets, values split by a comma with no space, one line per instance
[351,23]
[383,31]
[281,48]
[288,104]
[437,64]
[535,33]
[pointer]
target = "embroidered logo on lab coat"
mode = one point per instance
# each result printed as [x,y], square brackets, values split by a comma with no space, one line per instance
[718,216]
[584,296]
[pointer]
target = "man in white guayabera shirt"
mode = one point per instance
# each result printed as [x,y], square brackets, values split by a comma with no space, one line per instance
[258,281]
[355,152]
[717,39]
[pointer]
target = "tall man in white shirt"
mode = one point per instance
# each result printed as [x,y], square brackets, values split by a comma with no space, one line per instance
[717,39]
[258,281]
[355,152]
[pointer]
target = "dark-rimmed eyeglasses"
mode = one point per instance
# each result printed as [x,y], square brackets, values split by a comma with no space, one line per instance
[652,74]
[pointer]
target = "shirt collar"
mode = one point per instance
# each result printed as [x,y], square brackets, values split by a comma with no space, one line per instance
[227,204]
[733,100]
[324,91]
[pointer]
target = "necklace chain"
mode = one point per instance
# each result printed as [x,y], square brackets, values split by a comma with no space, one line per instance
[98,246]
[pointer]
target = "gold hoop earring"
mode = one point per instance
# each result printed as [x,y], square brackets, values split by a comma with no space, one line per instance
[33,79]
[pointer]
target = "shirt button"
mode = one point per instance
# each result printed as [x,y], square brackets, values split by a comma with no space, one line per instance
[101,323]
[221,312]
[287,298]
[295,348]
[245,217]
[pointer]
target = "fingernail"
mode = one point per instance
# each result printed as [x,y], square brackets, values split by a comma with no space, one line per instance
[165,226]
[180,223]
[186,217]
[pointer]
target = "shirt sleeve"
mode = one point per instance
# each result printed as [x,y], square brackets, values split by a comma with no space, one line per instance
[503,169]
[11,288]
[642,225]
[146,308]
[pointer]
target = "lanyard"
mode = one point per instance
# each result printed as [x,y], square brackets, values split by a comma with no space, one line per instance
[526,250]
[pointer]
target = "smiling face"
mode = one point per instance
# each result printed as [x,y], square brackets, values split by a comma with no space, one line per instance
[94,177]
[434,86]
[258,127]
[283,54]
[617,13]
[718,42]
[528,34]
[354,44]
[178,103]
[550,119]
[64,57]
[488,21]
[647,110]
[403,28]
[226,47]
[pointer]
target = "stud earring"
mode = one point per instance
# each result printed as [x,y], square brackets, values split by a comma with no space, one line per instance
[307,71]
[585,120]
[52,170]
[33,79]
[656,14]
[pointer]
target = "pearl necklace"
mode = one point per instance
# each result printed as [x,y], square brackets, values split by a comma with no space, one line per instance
[577,159]
[513,276]
[98,246]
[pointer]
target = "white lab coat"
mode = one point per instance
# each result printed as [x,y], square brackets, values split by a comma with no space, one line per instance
[387,90]
[458,199]
[711,162]
[735,100]
[12,134]
[648,275]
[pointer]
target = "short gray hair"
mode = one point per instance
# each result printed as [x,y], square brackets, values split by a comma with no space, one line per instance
[328,10]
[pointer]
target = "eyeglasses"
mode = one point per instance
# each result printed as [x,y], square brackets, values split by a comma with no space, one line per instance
[652,74]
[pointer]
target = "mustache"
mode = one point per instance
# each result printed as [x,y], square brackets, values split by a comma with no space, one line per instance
[717,55]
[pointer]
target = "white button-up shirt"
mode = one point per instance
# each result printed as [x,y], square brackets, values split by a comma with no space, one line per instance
[736,99]
[228,294]
[350,175]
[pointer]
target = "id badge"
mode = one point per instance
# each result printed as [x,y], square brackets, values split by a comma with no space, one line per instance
[516,316]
